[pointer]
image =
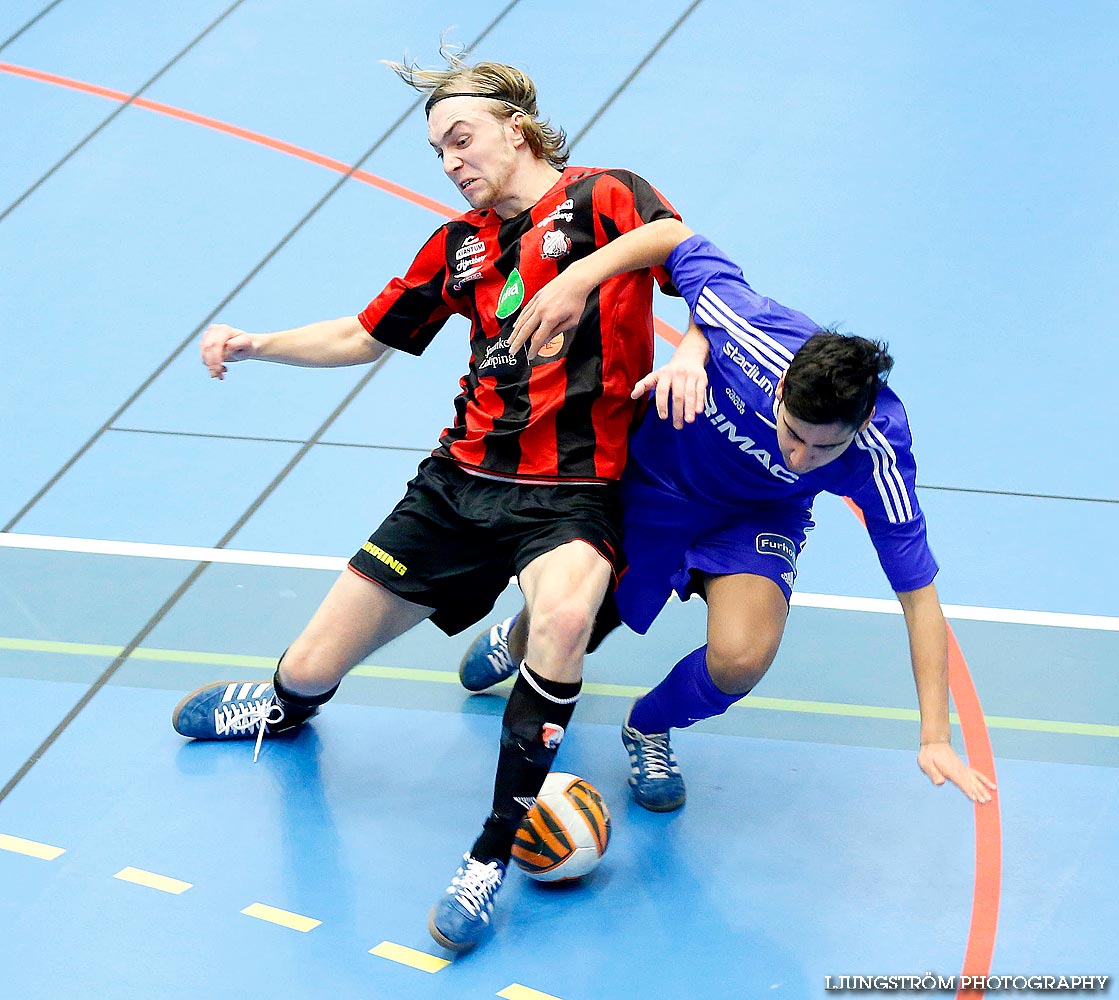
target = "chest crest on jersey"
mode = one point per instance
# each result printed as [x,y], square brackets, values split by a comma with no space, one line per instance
[556,244]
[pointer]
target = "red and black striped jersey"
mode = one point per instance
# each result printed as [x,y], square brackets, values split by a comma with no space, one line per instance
[565,416]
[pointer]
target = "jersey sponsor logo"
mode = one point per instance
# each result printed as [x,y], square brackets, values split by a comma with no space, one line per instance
[736,400]
[749,368]
[497,355]
[471,247]
[555,244]
[552,347]
[464,279]
[561,212]
[512,295]
[746,444]
[789,578]
[470,262]
[769,544]
[382,556]
[551,734]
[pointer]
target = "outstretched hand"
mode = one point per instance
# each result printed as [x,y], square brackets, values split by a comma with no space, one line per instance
[941,763]
[221,344]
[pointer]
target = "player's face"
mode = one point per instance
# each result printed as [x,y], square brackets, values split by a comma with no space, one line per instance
[479,153]
[806,446]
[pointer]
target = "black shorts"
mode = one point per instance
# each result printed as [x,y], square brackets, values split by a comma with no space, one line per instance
[455,539]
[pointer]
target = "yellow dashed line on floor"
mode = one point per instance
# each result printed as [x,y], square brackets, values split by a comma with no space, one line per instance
[518,992]
[388,950]
[409,956]
[285,918]
[164,883]
[32,848]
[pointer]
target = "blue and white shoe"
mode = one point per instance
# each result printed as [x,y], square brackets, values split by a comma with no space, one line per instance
[232,710]
[462,917]
[655,779]
[488,660]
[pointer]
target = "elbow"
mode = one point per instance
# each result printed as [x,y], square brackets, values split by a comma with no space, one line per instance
[673,233]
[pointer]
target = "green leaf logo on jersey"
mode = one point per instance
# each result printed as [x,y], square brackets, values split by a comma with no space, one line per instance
[512,295]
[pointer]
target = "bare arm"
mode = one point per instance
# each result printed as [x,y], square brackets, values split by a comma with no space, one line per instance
[928,649]
[560,303]
[330,343]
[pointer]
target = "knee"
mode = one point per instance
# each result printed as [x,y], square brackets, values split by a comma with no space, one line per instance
[736,668]
[563,624]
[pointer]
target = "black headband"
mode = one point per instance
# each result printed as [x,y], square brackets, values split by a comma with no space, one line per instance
[433,100]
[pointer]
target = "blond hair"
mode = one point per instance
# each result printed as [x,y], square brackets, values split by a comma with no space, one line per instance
[511,87]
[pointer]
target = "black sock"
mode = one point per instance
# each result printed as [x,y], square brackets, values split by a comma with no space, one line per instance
[535,719]
[298,708]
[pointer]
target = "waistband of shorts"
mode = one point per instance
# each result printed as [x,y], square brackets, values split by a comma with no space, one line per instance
[479,473]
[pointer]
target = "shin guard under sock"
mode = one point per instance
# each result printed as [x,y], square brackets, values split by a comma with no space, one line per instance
[686,695]
[536,717]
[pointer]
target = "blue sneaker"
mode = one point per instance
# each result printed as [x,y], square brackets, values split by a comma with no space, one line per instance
[232,710]
[488,661]
[655,778]
[462,917]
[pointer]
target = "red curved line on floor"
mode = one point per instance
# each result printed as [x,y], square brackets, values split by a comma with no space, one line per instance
[236,131]
[988,822]
[667,331]
[977,740]
[988,825]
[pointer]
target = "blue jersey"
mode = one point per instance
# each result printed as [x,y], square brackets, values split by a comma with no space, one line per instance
[730,457]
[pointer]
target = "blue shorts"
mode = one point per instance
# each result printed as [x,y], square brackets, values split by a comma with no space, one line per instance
[672,542]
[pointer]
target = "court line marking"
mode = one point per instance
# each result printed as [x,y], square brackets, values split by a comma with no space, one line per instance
[626,691]
[295,560]
[285,918]
[30,848]
[164,883]
[409,956]
[29,24]
[987,885]
[515,991]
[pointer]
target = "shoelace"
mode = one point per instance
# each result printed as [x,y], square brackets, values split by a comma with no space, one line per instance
[475,884]
[656,753]
[245,716]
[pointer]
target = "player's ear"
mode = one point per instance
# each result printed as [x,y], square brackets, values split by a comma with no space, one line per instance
[779,392]
[866,423]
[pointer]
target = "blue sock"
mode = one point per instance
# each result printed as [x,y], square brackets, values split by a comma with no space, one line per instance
[686,695]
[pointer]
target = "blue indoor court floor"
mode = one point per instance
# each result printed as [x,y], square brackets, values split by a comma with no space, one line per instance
[939,176]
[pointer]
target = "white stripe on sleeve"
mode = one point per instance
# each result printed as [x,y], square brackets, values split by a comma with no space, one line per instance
[887,476]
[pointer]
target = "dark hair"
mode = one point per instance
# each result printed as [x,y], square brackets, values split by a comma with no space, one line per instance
[835,378]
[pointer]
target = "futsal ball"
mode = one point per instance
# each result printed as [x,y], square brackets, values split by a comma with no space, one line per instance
[564,835]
